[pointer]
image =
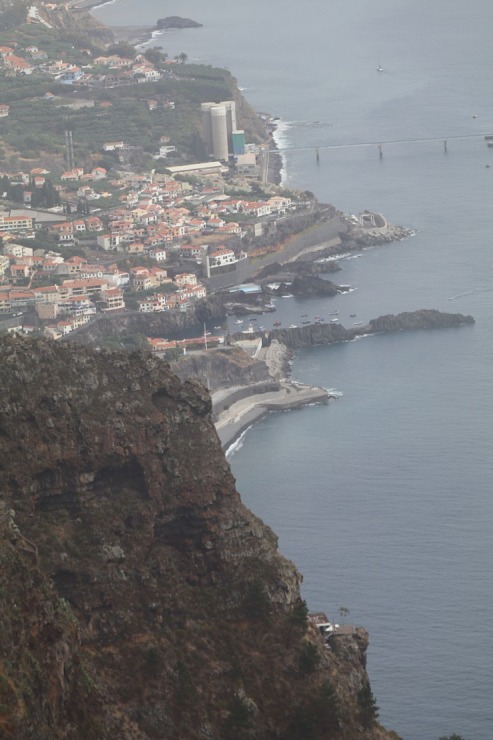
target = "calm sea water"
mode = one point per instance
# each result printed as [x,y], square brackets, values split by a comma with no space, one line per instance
[382,498]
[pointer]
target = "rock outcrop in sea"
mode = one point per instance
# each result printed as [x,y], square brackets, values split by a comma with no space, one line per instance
[176,21]
[327,333]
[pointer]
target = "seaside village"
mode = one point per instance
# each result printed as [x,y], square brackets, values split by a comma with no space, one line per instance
[171,231]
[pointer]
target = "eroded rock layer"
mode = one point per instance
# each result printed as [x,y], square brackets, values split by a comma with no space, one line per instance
[139,597]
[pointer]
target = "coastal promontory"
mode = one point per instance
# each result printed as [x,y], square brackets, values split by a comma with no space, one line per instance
[140,597]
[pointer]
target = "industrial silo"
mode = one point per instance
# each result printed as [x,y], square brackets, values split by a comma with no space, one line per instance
[219,132]
[207,126]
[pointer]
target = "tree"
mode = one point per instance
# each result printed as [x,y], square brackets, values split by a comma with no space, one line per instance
[318,718]
[182,58]
[368,709]
[256,602]
[122,49]
[49,195]
[16,193]
[309,658]
[154,56]
[239,718]
[344,612]
[299,616]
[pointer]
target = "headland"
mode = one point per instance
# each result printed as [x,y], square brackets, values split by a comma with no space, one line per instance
[238,407]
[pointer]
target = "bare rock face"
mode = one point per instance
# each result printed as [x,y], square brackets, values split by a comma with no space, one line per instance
[221,368]
[139,597]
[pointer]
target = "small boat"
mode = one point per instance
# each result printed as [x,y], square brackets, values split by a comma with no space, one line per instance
[239,321]
[352,315]
[333,313]
[277,323]
[293,326]
[488,137]
[217,327]
[379,68]
[304,315]
[357,323]
[333,321]
[305,322]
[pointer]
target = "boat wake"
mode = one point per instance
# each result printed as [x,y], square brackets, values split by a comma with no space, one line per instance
[470,292]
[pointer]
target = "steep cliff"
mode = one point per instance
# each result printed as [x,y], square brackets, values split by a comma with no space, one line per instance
[139,597]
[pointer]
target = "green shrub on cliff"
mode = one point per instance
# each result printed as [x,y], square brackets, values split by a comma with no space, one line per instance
[319,718]
[368,709]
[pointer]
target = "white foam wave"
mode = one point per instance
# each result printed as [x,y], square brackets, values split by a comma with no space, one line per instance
[101,5]
[237,444]
[334,392]
[282,141]
[333,257]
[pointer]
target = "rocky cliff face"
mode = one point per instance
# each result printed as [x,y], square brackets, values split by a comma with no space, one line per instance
[125,327]
[139,597]
[222,368]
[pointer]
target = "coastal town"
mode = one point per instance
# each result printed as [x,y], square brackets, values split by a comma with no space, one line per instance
[107,229]
[113,221]
[124,232]
[125,191]
[167,232]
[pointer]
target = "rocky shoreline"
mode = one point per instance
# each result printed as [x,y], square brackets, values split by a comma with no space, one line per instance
[232,420]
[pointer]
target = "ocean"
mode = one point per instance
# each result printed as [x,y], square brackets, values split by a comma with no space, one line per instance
[383,497]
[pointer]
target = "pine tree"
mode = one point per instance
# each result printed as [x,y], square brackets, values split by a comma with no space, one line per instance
[368,709]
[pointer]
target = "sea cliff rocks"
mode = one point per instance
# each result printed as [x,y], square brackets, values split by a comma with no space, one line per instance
[222,368]
[325,333]
[140,598]
[423,319]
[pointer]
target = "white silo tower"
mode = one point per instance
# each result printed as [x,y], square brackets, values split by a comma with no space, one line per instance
[230,106]
[207,126]
[219,132]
